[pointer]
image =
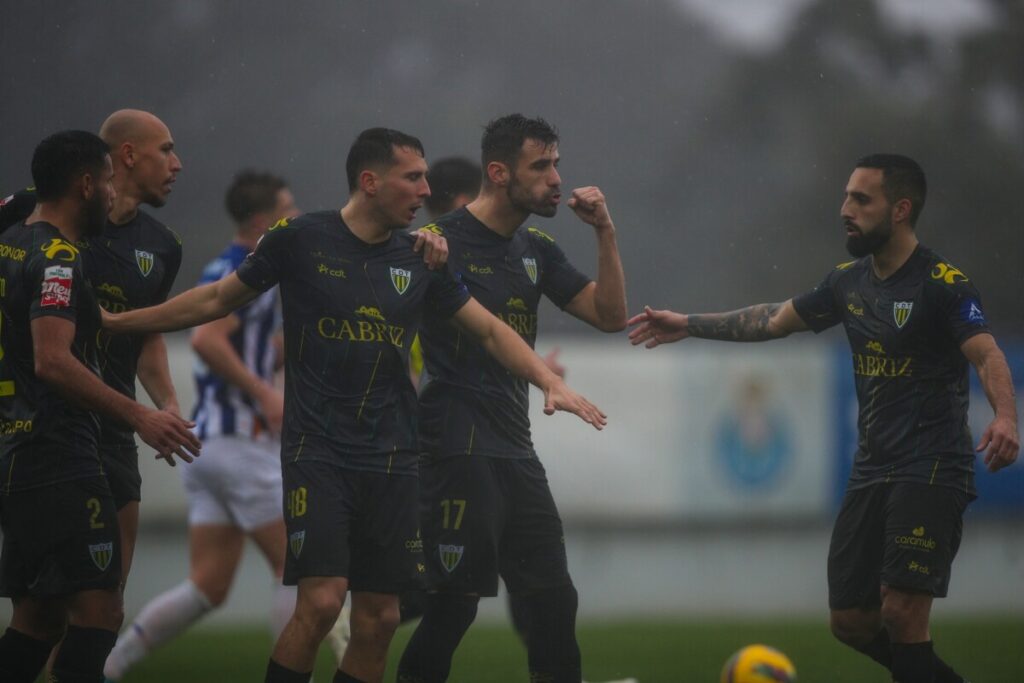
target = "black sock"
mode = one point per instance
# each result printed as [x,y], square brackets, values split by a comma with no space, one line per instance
[551,647]
[879,649]
[82,654]
[411,605]
[913,662]
[342,677]
[279,674]
[22,657]
[428,656]
[945,674]
[517,610]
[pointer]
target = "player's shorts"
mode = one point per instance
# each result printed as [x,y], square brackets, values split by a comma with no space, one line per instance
[359,525]
[236,481]
[900,535]
[59,539]
[484,517]
[121,465]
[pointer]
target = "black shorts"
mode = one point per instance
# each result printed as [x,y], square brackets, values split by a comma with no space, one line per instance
[484,517]
[360,525]
[900,535]
[121,465]
[59,540]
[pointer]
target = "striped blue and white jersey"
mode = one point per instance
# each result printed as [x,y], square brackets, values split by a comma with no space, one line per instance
[223,409]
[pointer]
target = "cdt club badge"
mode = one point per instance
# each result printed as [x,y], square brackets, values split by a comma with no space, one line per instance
[101,554]
[295,541]
[531,268]
[901,312]
[451,555]
[144,259]
[401,279]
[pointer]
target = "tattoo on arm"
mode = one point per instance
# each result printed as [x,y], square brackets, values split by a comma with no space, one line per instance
[746,325]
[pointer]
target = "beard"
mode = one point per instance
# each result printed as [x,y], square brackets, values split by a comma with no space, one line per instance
[861,244]
[95,218]
[522,201]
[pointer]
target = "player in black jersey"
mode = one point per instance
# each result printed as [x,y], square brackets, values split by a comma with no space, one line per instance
[353,294]
[132,263]
[914,322]
[60,562]
[487,509]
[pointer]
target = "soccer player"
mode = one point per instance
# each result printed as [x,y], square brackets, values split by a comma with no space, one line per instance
[132,263]
[60,562]
[487,509]
[353,294]
[914,322]
[235,491]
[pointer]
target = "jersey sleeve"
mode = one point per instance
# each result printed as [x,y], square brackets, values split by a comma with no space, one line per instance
[171,268]
[264,267]
[560,281]
[55,281]
[818,308]
[960,310]
[446,294]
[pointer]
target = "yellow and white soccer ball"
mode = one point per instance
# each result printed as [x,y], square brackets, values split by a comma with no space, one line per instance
[758,664]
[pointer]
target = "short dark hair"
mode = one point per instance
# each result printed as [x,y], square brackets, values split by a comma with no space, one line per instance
[504,137]
[63,156]
[449,178]
[902,178]
[376,146]
[252,192]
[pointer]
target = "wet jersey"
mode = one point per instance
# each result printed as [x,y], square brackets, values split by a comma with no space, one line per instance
[44,438]
[905,334]
[221,407]
[471,404]
[130,266]
[351,310]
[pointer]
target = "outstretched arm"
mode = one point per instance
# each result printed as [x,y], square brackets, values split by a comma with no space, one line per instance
[511,351]
[194,307]
[760,322]
[1000,440]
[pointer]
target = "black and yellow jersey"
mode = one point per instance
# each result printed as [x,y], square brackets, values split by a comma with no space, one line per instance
[911,377]
[132,265]
[471,404]
[44,438]
[351,310]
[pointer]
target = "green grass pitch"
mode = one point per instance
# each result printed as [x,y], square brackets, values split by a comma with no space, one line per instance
[663,651]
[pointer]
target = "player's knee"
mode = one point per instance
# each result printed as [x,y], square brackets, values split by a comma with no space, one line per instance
[376,621]
[901,613]
[319,609]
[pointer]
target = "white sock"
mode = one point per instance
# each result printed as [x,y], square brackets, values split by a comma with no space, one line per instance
[164,617]
[282,607]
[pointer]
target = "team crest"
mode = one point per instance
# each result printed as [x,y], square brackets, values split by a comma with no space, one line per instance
[295,542]
[401,279]
[451,555]
[101,554]
[901,312]
[144,259]
[531,268]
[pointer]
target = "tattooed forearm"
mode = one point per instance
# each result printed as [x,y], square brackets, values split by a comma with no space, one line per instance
[747,324]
